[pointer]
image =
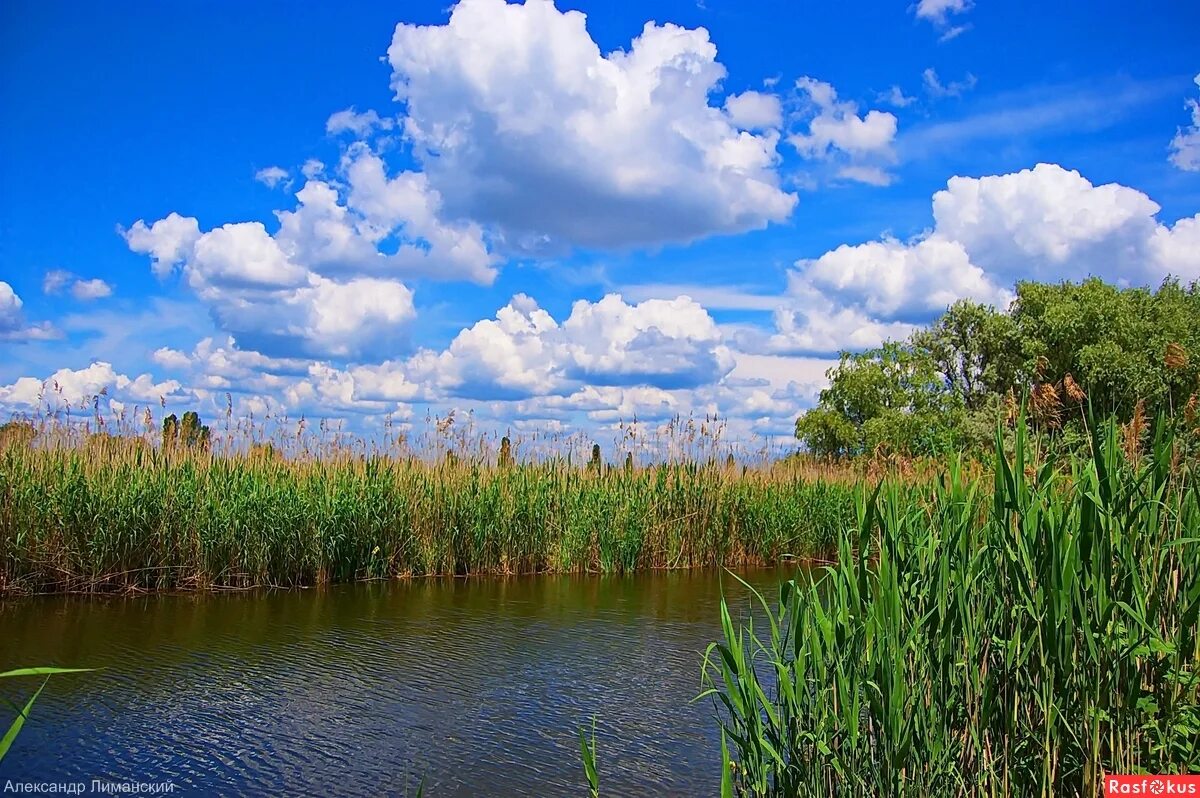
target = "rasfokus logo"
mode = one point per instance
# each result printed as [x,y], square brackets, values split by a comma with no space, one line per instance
[1151,785]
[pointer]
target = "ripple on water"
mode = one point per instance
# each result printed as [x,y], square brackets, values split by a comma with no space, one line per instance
[477,686]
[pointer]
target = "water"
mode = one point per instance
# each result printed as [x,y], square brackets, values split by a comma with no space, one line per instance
[476,686]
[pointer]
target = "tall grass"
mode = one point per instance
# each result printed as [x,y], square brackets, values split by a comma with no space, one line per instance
[1022,641]
[116,516]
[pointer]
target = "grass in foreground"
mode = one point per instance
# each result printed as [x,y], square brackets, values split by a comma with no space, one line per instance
[22,712]
[1023,641]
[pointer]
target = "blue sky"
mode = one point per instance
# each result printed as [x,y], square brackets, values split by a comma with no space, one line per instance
[561,225]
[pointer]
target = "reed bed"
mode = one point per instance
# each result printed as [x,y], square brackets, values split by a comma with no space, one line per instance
[120,515]
[1023,640]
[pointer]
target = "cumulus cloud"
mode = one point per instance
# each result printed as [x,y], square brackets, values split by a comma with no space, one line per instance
[607,360]
[12,319]
[56,281]
[1052,223]
[1045,223]
[754,110]
[361,125]
[1185,147]
[939,13]
[86,290]
[811,325]
[168,241]
[891,280]
[81,387]
[327,283]
[835,130]
[272,176]
[522,123]
[896,98]
[171,358]
[10,308]
[669,344]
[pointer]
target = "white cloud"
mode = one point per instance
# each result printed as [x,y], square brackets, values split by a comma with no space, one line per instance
[81,387]
[891,280]
[10,308]
[271,303]
[521,123]
[168,241]
[1185,147]
[312,168]
[325,284]
[779,372]
[12,320]
[1051,223]
[813,325]
[754,110]
[361,125]
[896,98]
[712,297]
[86,290]
[871,175]
[272,176]
[1045,223]
[836,130]
[171,358]
[668,344]
[837,125]
[939,12]
[57,280]
[1176,250]
[955,88]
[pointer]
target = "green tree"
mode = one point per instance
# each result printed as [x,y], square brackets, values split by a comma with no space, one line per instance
[170,432]
[892,397]
[1113,341]
[1060,343]
[977,349]
[188,432]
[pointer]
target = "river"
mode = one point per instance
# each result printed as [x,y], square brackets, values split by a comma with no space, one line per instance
[475,686]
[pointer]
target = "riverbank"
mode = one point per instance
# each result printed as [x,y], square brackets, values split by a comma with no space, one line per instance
[136,518]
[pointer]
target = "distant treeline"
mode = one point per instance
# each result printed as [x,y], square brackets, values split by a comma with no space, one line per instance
[1128,352]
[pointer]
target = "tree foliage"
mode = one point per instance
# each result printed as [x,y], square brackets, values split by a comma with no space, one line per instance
[188,433]
[1063,343]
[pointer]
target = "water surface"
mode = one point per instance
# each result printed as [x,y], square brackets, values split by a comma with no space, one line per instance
[476,686]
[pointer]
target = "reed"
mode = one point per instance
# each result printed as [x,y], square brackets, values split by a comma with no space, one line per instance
[22,712]
[1025,640]
[117,514]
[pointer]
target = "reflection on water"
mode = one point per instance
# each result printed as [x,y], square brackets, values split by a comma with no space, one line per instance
[477,686]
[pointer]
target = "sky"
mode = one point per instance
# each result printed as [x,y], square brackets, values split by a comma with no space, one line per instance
[558,218]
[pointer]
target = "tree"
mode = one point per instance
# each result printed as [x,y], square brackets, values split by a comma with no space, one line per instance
[977,349]
[892,398]
[188,433]
[1113,341]
[1060,344]
[170,432]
